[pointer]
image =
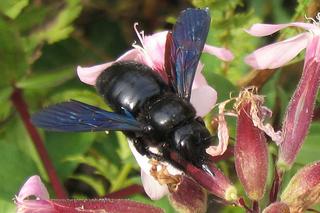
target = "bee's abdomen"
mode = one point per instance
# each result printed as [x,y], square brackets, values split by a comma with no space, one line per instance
[129,85]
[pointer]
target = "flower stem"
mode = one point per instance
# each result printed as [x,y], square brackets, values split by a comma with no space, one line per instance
[275,186]
[22,108]
[255,207]
[242,203]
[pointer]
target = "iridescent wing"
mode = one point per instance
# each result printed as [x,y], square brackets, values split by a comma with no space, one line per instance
[75,116]
[184,47]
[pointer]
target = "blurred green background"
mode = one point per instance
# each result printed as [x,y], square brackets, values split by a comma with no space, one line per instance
[42,42]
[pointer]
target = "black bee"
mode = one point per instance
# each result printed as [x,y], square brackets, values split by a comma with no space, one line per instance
[151,112]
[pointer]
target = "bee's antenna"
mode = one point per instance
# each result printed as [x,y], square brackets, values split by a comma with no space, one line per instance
[205,167]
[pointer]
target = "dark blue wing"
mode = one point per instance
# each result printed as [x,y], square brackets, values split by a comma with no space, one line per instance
[75,116]
[188,38]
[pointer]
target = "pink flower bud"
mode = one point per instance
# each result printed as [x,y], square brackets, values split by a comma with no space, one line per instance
[277,207]
[189,197]
[301,106]
[303,189]
[217,184]
[251,154]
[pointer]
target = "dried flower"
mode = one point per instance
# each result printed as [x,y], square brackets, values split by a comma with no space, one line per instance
[303,190]
[251,154]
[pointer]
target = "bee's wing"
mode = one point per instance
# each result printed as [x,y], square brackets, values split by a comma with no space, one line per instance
[183,49]
[75,116]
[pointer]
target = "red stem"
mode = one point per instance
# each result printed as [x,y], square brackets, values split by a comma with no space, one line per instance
[242,203]
[22,108]
[275,186]
[255,207]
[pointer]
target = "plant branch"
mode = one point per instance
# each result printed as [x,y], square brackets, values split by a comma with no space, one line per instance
[22,108]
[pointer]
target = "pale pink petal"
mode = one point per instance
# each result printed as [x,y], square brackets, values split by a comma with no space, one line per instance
[38,194]
[152,187]
[203,99]
[275,55]
[223,133]
[221,53]
[89,75]
[268,29]
[154,46]
[313,49]
[199,79]
[33,187]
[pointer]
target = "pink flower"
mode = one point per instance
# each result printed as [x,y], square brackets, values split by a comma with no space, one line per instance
[34,197]
[276,55]
[152,53]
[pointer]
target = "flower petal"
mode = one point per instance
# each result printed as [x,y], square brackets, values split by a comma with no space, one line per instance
[199,80]
[268,29]
[33,187]
[152,187]
[89,75]
[223,133]
[203,99]
[275,55]
[154,46]
[221,53]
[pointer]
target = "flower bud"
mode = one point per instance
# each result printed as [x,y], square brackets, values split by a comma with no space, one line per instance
[277,207]
[251,154]
[217,184]
[299,113]
[303,189]
[189,197]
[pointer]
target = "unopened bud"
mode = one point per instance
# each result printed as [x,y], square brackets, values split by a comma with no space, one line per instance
[303,189]
[300,110]
[251,154]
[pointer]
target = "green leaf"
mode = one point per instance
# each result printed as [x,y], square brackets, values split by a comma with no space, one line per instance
[5,103]
[221,84]
[7,206]
[13,63]
[61,27]
[16,167]
[97,185]
[62,146]
[12,8]
[46,80]
[15,132]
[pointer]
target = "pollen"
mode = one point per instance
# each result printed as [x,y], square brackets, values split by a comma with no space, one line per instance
[163,176]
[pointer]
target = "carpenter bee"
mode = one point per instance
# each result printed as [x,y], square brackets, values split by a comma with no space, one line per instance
[147,109]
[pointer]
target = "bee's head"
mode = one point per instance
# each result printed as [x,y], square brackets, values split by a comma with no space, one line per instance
[191,141]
